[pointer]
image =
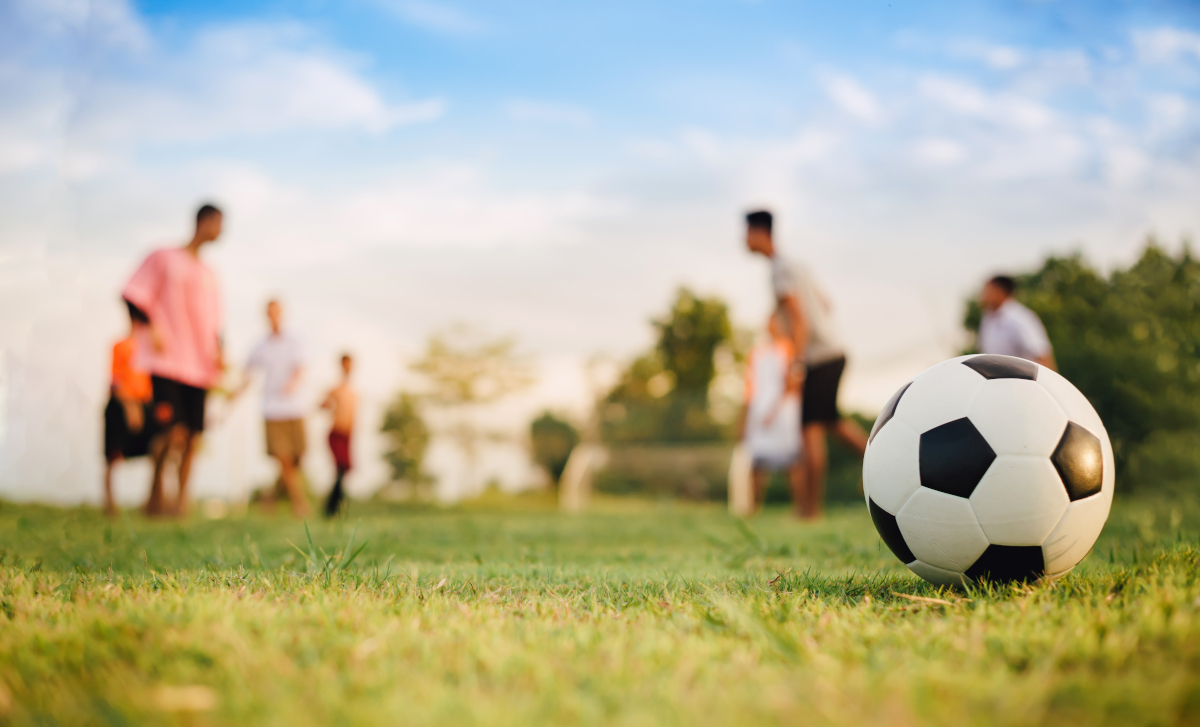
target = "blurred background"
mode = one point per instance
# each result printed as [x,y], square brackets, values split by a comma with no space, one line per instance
[557,189]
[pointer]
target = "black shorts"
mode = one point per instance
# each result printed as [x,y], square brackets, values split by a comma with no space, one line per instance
[119,441]
[178,403]
[821,393]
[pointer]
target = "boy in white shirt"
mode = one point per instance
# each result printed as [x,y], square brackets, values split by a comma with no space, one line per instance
[770,421]
[1009,328]
[280,357]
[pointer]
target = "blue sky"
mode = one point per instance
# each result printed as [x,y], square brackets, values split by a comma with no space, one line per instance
[554,170]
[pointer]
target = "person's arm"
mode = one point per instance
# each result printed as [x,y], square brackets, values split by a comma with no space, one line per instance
[140,294]
[247,376]
[330,400]
[1034,339]
[799,327]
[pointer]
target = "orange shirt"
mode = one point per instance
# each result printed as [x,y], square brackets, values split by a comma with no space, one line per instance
[129,382]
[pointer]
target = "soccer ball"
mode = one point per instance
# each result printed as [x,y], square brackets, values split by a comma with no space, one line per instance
[988,467]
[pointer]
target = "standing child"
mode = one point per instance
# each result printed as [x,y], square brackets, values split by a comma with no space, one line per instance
[342,402]
[280,357]
[770,422]
[127,418]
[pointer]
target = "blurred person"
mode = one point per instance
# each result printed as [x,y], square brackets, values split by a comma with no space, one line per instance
[342,403]
[128,418]
[820,360]
[280,358]
[1009,328]
[769,425]
[176,293]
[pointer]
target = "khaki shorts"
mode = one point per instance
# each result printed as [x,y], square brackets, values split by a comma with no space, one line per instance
[285,439]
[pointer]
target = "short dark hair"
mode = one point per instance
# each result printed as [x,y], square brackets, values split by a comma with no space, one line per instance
[206,211]
[760,220]
[346,357]
[1004,282]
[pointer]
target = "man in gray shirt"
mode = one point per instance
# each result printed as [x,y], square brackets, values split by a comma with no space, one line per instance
[819,355]
[1009,328]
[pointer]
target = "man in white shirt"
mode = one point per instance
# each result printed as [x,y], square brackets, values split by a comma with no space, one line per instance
[820,358]
[280,358]
[1009,328]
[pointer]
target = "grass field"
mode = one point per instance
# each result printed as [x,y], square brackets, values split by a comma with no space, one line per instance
[635,614]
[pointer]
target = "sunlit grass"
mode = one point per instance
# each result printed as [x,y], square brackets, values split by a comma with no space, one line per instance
[638,613]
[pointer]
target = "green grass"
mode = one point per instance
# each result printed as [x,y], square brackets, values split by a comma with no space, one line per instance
[635,614]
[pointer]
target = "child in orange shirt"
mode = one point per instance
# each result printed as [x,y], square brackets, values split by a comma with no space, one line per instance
[127,420]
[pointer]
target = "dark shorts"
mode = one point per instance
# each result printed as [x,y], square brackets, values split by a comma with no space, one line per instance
[821,393]
[178,403]
[119,441]
[339,444]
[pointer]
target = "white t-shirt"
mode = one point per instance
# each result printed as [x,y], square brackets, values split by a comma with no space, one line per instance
[792,278]
[278,357]
[1013,330]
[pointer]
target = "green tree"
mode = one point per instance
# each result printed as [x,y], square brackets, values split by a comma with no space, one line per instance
[1131,343]
[407,438]
[552,438]
[664,394]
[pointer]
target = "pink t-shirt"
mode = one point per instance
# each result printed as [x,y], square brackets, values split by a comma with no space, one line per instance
[179,294]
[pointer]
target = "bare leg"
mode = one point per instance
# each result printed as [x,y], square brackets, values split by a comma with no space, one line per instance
[160,450]
[798,477]
[110,507]
[759,479]
[188,442]
[849,433]
[816,460]
[291,480]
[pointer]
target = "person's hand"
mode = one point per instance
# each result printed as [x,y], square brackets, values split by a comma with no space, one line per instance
[795,376]
[134,416]
[156,340]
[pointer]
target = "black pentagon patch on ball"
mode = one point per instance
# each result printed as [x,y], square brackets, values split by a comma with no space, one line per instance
[889,411]
[1079,461]
[954,457]
[889,530]
[995,366]
[1007,563]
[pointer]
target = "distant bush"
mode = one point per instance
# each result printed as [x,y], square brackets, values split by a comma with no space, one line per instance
[663,395]
[552,438]
[407,438]
[1131,343]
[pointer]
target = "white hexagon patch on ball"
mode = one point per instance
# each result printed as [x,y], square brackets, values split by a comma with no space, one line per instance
[988,467]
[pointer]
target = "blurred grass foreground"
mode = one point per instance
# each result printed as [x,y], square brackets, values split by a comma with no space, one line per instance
[508,612]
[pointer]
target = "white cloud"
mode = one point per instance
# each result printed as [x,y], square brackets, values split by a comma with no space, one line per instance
[103,23]
[1166,44]
[1125,166]
[998,57]
[242,80]
[436,17]
[958,96]
[851,97]
[938,152]
[967,99]
[227,81]
[549,112]
[1168,112]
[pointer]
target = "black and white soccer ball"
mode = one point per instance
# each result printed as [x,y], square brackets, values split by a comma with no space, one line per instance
[988,467]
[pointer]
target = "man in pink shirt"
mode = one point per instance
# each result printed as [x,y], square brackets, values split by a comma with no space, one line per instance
[178,294]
